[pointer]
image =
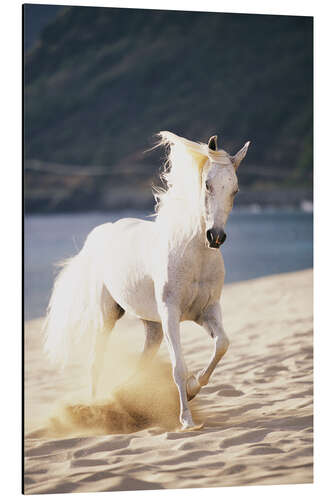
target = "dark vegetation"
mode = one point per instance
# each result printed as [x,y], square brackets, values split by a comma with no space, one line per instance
[100,82]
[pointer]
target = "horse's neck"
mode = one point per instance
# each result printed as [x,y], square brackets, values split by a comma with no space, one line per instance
[182,227]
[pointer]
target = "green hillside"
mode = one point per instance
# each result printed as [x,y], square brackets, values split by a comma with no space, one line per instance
[102,81]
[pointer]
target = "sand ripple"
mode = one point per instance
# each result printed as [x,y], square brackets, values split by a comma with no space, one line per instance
[257,408]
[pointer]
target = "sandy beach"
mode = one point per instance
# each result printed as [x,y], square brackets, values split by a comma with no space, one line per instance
[257,409]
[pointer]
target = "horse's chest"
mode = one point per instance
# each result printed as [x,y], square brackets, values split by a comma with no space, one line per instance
[196,300]
[202,290]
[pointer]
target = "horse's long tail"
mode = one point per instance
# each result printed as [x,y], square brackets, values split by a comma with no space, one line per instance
[74,315]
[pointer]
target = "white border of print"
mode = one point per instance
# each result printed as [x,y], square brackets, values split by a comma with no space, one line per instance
[10,247]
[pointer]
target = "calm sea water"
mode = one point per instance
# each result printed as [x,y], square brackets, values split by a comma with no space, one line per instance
[258,244]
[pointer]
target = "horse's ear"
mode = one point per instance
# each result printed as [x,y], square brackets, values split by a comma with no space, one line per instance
[212,143]
[238,157]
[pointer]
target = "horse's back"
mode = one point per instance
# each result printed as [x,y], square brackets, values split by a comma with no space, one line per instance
[113,235]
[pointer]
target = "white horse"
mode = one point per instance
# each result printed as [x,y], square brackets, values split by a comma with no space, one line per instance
[163,271]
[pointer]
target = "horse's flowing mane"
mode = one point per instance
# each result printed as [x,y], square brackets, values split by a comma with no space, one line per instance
[182,175]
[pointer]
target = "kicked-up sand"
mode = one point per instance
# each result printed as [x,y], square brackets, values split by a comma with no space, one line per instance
[257,408]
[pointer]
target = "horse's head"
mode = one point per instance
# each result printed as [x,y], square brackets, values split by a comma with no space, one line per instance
[220,185]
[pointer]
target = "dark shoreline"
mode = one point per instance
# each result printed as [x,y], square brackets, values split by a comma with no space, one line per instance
[138,199]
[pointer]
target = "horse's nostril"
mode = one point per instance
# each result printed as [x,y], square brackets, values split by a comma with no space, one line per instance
[210,236]
[215,238]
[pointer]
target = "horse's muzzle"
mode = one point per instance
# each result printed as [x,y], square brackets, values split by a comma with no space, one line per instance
[215,238]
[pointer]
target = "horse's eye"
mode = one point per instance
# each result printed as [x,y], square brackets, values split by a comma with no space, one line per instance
[208,187]
[235,192]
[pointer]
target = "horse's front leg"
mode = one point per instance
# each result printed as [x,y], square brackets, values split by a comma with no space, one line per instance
[170,317]
[211,320]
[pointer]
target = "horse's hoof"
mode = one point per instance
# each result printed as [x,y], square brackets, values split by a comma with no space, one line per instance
[192,387]
[191,427]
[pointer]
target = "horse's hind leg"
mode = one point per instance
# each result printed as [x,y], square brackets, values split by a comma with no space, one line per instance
[154,336]
[111,313]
